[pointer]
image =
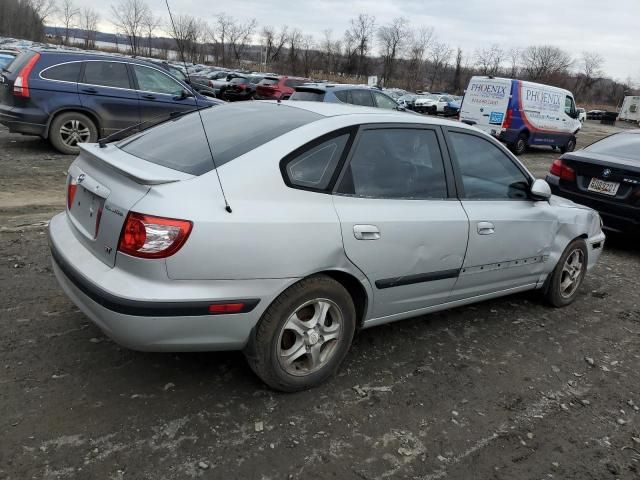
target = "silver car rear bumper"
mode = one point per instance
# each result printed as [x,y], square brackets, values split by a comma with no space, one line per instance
[175,315]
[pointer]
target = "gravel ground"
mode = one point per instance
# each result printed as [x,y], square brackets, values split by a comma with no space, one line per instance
[505,389]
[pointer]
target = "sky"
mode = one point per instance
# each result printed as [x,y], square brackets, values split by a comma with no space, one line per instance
[611,28]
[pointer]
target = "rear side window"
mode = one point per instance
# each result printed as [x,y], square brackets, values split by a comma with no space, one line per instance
[487,172]
[361,97]
[233,130]
[396,163]
[626,145]
[308,96]
[65,72]
[343,95]
[384,102]
[315,167]
[6,59]
[106,74]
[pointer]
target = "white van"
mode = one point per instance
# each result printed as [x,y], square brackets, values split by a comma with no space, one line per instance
[521,113]
[630,111]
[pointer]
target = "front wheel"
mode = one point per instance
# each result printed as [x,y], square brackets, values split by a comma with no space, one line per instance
[520,145]
[566,278]
[304,335]
[570,146]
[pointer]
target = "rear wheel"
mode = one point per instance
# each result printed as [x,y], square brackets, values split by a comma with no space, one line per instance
[304,335]
[69,129]
[520,145]
[570,146]
[565,280]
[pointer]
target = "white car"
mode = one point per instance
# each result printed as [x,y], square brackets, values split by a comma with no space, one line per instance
[432,103]
[582,114]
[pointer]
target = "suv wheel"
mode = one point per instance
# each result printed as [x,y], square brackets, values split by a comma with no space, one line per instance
[304,335]
[69,129]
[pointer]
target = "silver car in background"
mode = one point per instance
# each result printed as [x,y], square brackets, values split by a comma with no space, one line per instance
[339,218]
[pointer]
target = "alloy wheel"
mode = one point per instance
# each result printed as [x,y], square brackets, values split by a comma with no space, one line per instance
[310,337]
[571,276]
[74,132]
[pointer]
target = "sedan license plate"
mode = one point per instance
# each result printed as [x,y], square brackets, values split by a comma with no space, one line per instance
[601,186]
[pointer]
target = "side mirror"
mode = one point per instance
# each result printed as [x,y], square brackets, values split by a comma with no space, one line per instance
[540,190]
[184,94]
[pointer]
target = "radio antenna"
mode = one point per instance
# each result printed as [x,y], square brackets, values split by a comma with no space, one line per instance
[227,207]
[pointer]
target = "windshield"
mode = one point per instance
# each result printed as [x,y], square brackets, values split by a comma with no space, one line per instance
[624,145]
[233,130]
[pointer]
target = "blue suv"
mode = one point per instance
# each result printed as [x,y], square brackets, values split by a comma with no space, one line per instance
[75,97]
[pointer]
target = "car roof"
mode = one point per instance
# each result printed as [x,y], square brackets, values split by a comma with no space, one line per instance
[95,56]
[329,109]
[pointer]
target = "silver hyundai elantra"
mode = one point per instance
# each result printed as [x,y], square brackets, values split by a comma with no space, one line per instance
[292,225]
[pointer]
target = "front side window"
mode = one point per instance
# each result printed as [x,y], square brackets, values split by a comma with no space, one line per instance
[487,172]
[396,163]
[315,167]
[151,80]
[65,72]
[106,74]
[343,96]
[384,102]
[568,105]
[361,97]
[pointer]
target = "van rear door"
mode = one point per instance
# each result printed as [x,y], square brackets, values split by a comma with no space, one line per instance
[485,103]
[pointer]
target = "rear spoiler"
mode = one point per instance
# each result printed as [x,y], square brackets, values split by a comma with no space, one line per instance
[135,168]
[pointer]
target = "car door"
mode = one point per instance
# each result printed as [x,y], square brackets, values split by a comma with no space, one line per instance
[159,94]
[570,119]
[401,225]
[510,234]
[106,90]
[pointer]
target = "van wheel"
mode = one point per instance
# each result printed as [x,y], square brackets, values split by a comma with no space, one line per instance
[69,129]
[520,145]
[304,335]
[570,146]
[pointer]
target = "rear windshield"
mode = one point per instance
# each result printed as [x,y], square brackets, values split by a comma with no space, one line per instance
[269,81]
[308,96]
[238,80]
[625,145]
[19,62]
[232,129]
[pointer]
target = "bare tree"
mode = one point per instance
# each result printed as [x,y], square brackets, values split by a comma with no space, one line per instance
[331,51]
[456,86]
[89,23]
[273,42]
[42,8]
[360,32]
[68,15]
[439,55]
[488,60]
[239,35]
[128,18]
[543,62]
[224,23]
[419,45]
[150,24]
[514,55]
[309,54]
[294,40]
[392,38]
[190,34]
[589,74]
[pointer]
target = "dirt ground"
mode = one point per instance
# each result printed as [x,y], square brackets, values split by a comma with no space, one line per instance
[506,389]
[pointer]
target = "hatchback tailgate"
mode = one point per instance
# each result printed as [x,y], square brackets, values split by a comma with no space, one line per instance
[103,185]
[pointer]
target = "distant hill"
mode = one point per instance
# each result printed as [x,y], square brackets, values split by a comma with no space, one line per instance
[157,42]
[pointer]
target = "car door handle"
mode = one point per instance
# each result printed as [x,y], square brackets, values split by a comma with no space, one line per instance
[89,90]
[485,228]
[149,97]
[366,232]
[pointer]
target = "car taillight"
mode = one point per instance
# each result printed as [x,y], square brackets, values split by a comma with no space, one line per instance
[71,191]
[21,83]
[146,236]
[507,118]
[562,170]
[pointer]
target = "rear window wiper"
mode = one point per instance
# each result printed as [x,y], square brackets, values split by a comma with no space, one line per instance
[152,122]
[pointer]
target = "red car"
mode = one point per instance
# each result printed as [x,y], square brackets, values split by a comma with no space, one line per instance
[278,88]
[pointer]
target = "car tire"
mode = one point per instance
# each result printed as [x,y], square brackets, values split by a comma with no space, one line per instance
[570,146]
[288,350]
[564,282]
[520,145]
[70,128]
